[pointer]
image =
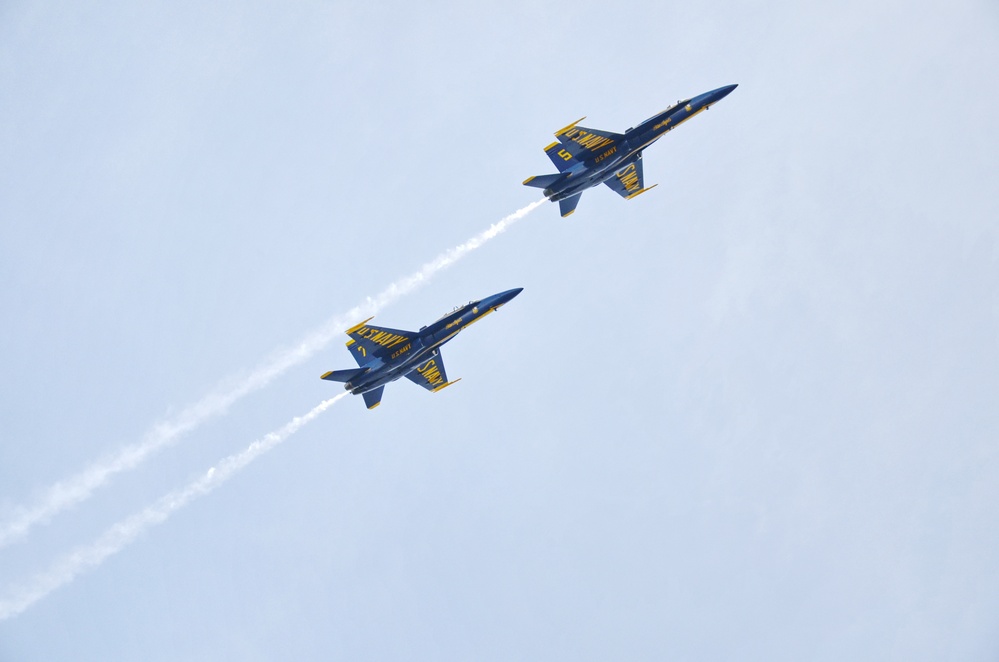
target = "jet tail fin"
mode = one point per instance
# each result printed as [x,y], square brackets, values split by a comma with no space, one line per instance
[542,181]
[373,398]
[343,375]
[568,205]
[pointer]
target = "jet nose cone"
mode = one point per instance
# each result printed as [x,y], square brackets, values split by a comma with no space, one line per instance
[497,300]
[509,294]
[725,91]
[714,96]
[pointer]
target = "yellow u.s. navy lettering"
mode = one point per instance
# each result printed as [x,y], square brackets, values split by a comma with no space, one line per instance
[382,338]
[603,156]
[629,177]
[430,372]
[590,141]
[384,355]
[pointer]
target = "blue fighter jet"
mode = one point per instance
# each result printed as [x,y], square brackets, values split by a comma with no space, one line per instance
[587,157]
[384,355]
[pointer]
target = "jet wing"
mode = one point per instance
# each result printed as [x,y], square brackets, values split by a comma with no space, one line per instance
[430,374]
[629,181]
[585,144]
[367,341]
[560,156]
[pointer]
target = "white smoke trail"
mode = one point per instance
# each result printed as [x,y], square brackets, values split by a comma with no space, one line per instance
[124,532]
[76,489]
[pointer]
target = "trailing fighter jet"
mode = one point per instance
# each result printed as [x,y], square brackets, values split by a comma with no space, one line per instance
[586,157]
[384,355]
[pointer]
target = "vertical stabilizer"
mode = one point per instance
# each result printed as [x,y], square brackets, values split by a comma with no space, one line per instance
[373,398]
[568,205]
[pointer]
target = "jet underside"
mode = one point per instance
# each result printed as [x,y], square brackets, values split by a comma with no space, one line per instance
[587,157]
[384,355]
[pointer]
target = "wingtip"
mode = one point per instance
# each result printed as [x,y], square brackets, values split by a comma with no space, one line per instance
[641,191]
[529,180]
[446,384]
[326,374]
[569,126]
[358,326]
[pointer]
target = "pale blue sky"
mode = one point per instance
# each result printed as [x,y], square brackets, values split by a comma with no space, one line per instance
[748,415]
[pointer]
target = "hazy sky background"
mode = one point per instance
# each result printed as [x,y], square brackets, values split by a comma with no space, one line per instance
[748,415]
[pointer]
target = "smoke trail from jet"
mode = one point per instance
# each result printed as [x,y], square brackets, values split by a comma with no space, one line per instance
[78,488]
[124,532]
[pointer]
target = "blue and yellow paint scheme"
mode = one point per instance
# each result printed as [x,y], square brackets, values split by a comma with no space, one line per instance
[588,157]
[384,355]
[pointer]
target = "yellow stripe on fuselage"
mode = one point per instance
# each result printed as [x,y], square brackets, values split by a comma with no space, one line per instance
[478,318]
[702,109]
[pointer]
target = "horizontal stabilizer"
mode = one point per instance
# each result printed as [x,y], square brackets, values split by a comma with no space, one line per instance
[568,205]
[343,375]
[542,181]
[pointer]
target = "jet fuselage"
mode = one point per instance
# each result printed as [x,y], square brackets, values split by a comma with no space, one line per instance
[404,355]
[605,165]
[587,157]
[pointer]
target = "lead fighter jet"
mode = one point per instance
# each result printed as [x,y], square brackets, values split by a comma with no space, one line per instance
[587,157]
[384,355]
